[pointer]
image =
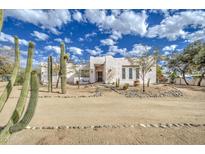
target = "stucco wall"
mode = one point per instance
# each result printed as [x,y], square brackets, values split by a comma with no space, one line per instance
[111,67]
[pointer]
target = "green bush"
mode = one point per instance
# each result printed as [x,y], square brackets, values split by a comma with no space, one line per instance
[125,86]
[19,79]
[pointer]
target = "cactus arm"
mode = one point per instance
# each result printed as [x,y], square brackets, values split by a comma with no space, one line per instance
[31,106]
[1,18]
[5,133]
[49,74]
[63,69]
[8,89]
[24,92]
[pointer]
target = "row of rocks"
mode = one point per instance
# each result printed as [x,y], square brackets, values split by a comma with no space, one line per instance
[134,93]
[166,125]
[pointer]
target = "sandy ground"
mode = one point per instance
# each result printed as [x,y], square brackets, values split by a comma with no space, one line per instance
[111,108]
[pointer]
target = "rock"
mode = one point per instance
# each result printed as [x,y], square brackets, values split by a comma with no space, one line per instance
[92,127]
[162,126]
[50,127]
[132,126]
[175,125]
[61,127]
[154,125]
[28,127]
[142,125]
[195,125]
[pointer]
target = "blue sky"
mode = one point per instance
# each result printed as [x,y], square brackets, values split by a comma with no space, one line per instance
[101,32]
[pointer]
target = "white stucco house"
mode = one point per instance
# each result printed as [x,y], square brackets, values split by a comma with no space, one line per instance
[106,69]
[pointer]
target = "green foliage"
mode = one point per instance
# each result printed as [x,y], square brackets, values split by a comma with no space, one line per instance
[19,79]
[31,106]
[4,96]
[6,66]
[160,75]
[173,76]
[1,18]
[117,83]
[63,68]
[191,59]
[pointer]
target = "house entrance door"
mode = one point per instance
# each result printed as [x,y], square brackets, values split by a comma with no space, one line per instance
[100,77]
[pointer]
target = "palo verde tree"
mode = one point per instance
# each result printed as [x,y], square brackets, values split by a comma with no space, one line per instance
[184,62]
[199,63]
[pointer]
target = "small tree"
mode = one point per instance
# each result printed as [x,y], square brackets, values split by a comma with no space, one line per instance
[145,62]
[199,61]
[185,62]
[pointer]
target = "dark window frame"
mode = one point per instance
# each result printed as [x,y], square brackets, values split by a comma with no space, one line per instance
[130,73]
[123,73]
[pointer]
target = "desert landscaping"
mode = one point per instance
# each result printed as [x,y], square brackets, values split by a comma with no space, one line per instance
[82,117]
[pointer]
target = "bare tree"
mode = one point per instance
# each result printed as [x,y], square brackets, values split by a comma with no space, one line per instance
[144,62]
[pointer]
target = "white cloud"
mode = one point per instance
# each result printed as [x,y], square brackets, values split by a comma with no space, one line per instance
[58,40]
[113,50]
[169,48]
[125,22]
[116,35]
[8,38]
[46,19]
[75,50]
[40,36]
[138,50]
[198,35]
[77,16]
[56,49]
[173,27]
[90,35]
[66,40]
[81,39]
[95,52]
[108,42]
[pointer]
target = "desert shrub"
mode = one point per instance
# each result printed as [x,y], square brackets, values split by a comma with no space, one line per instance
[117,83]
[19,79]
[173,76]
[125,86]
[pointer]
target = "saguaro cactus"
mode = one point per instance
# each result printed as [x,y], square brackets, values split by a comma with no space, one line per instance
[31,106]
[1,18]
[49,74]
[5,133]
[63,68]
[8,89]
[24,92]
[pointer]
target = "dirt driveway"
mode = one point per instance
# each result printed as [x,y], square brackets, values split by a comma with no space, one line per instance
[112,108]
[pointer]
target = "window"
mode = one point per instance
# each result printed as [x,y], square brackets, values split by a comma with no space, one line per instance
[84,73]
[123,73]
[137,73]
[130,73]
